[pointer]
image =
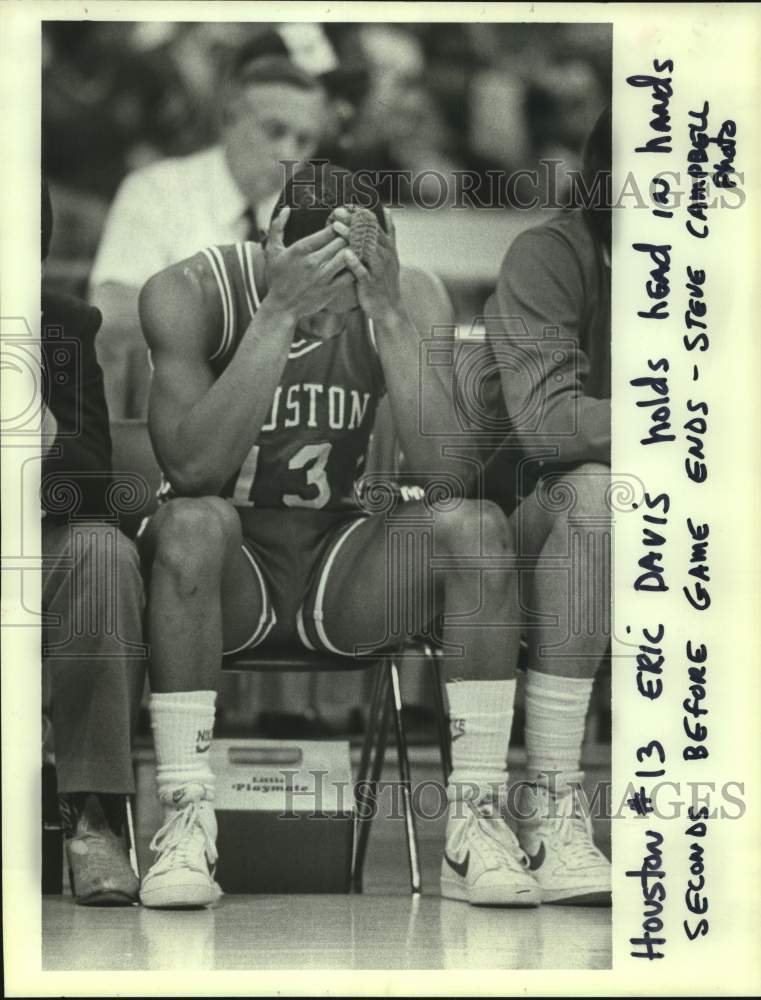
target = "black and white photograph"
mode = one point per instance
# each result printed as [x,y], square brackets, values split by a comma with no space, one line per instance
[364,560]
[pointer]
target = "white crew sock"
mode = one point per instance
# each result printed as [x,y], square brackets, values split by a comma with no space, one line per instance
[183,725]
[556,713]
[481,716]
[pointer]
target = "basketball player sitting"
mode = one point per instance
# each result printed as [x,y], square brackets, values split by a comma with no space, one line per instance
[268,367]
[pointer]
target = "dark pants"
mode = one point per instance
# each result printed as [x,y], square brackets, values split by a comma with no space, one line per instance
[93,655]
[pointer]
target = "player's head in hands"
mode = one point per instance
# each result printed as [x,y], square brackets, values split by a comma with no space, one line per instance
[317,196]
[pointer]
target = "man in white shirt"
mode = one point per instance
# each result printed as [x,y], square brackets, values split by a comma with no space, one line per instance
[271,111]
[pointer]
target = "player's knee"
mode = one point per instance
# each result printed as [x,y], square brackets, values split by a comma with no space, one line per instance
[105,545]
[226,516]
[584,496]
[190,542]
[474,527]
[125,556]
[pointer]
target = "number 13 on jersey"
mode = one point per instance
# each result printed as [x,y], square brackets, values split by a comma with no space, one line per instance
[313,458]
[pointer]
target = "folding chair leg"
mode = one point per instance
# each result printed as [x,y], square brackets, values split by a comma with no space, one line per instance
[442,718]
[131,835]
[405,779]
[373,750]
[372,726]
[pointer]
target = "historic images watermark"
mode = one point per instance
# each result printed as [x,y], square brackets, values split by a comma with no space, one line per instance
[431,799]
[551,185]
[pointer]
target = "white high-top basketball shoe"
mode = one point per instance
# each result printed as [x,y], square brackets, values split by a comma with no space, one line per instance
[483,863]
[557,837]
[182,875]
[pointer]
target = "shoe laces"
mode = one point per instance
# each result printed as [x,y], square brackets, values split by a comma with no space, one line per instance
[178,841]
[498,843]
[572,828]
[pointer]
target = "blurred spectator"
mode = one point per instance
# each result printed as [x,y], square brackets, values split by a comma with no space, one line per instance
[562,110]
[270,110]
[109,91]
[473,96]
[538,97]
[400,126]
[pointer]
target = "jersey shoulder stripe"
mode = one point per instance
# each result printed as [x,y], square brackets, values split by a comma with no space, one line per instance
[218,269]
[234,267]
[248,251]
[246,285]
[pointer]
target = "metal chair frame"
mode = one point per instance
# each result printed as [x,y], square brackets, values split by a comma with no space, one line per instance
[385,702]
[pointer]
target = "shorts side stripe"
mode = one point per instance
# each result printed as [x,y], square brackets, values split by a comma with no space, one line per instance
[318,614]
[301,629]
[267,618]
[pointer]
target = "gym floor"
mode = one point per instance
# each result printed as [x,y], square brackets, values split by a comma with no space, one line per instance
[375,930]
[382,928]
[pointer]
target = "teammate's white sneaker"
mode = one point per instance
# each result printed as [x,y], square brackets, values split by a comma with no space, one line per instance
[183,874]
[557,837]
[483,863]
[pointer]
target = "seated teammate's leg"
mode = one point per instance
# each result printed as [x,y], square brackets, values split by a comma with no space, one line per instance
[205,596]
[569,587]
[94,670]
[382,581]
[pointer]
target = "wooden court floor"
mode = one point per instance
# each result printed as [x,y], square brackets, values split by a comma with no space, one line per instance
[383,928]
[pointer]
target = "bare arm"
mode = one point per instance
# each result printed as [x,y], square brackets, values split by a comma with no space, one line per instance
[421,402]
[408,308]
[202,428]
